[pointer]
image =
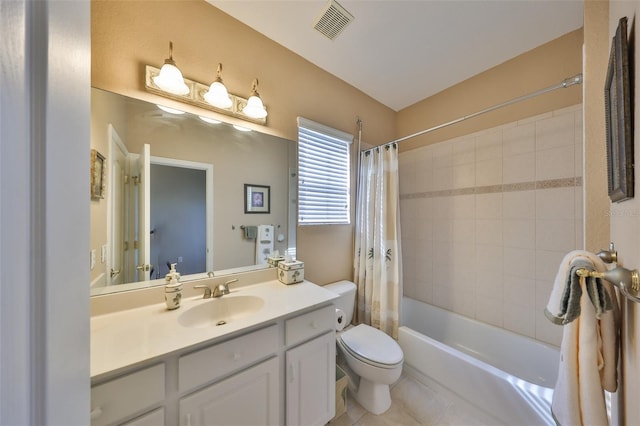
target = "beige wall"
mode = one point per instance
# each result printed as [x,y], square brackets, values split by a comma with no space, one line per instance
[596,201]
[127,35]
[541,67]
[625,229]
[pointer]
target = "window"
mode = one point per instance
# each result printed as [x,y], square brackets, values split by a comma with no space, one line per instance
[323,174]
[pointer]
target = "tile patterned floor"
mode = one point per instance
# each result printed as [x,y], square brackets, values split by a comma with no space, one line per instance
[413,403]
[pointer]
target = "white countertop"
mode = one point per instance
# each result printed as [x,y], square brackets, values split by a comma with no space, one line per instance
[124,338]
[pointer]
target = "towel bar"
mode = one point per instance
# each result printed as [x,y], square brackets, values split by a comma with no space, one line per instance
[627,281]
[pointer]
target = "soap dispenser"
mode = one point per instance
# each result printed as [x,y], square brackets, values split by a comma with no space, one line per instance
[172,288]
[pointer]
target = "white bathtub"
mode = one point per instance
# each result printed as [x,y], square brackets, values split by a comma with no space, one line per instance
[507,376]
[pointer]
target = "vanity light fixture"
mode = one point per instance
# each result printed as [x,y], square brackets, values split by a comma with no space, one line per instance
[251,110]
[170,78]
[217,94]
[254,107]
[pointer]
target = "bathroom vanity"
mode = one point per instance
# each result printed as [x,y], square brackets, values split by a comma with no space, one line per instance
[271,361]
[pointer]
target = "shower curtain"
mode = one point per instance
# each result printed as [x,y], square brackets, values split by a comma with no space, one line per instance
[377,260]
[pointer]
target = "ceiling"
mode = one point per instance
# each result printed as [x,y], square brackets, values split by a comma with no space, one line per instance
[402,51]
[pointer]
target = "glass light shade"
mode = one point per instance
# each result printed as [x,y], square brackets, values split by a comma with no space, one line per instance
[209,120]
[241,128]
[218,95]
[170,110]
[170,80]
[255,108]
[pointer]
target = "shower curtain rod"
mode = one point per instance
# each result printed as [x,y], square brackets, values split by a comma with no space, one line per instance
[567,82]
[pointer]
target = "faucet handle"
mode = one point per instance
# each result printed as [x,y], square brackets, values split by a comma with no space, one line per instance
[207,290]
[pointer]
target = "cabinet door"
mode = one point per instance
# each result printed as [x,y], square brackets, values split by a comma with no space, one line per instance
[251,397]
[311,379]
[154,418]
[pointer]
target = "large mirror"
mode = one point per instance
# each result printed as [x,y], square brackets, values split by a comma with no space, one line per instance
[175,190]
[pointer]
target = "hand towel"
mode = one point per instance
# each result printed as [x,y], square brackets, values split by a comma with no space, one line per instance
[250,232]
[564,302]
[589,349]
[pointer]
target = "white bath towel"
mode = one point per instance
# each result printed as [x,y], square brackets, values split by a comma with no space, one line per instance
[588,354]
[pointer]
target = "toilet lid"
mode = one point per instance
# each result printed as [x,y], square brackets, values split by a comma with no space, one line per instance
[372,344]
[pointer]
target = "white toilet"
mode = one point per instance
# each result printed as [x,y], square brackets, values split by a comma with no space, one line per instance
[370,354]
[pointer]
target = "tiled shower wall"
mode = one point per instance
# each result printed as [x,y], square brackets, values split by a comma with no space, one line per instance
[487,218]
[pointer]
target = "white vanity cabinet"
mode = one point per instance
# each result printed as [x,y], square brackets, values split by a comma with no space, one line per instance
[310,368]
[280,372]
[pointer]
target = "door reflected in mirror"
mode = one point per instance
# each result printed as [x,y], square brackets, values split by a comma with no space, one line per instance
[174,193]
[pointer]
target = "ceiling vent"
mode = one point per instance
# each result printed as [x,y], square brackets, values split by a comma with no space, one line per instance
[332,20]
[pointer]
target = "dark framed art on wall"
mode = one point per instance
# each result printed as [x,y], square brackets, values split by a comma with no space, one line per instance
[619,118]
[257,198]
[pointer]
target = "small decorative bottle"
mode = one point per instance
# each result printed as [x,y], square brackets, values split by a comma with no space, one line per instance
[173,289]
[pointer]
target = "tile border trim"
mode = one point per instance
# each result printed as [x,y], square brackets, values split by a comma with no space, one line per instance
[492,189]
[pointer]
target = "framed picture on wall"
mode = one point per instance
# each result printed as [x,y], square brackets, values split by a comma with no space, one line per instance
[97,175]
[257,198]
[619,116]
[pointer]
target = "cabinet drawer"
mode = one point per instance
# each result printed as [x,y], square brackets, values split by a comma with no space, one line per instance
[309,325]
[208,364]
[127,395]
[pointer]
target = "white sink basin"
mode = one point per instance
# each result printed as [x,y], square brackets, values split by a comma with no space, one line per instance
[220,311]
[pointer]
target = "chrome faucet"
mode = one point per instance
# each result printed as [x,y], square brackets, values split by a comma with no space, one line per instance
[222,289]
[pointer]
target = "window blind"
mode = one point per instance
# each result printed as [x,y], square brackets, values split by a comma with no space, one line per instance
[323,174]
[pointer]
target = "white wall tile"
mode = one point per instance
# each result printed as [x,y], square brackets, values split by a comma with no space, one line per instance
[442,178]
[464,230]
[556,203]
[547,264]
[489,172]
[489,310]
[520,319]
[464,151]
[423,290]
[546,331]
[442,154]
[519,205]
[519,262]
[555,163]
[463,206]
[555,132]
[519,168]
[489,206]
[489,231]
[489,146]
[519,140]
[555,234]
[520,291]
[464,302]
[464,176]
[442,295]
[520,233]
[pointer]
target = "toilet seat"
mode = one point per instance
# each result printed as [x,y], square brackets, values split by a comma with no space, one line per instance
[371,346]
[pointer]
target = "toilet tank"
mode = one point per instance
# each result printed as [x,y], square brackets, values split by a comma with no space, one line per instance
[346,290]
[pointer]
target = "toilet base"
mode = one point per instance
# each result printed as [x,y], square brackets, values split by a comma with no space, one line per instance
[374,397]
